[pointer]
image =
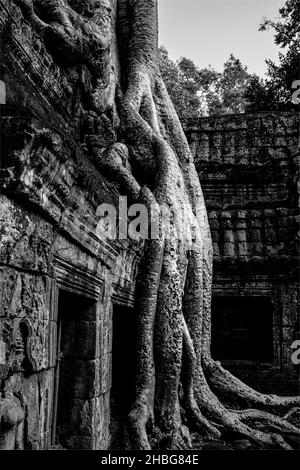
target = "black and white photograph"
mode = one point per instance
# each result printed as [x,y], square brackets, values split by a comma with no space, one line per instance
[149,229]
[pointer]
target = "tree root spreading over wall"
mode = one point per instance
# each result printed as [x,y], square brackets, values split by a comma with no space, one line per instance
[179,387]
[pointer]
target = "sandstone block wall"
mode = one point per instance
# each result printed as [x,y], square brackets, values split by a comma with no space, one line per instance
[249,170]
[60,283]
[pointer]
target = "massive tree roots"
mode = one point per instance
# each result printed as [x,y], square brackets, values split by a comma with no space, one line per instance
[179,387]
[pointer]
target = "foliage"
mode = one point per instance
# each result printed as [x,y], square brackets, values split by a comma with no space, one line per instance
[183,92]
[286,35]
[198,92]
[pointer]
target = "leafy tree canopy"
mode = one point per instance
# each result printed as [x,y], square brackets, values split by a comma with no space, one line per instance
[286,35]
[199,92]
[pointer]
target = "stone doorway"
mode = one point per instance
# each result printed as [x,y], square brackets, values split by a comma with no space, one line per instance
[242,328]
[74,371]
[123,372]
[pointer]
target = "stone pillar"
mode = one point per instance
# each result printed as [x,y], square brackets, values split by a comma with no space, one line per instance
[228,235]
[241,234]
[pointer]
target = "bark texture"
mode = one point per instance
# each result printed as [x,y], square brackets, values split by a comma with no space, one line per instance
[179,387]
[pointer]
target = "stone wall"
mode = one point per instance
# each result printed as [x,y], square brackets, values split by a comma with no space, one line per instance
[59,282]
[249,171]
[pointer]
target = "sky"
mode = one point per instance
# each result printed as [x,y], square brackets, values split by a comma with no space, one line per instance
[208,31]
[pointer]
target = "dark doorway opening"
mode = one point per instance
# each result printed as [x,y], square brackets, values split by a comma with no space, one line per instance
[76,334]
[242,328]
[123,372]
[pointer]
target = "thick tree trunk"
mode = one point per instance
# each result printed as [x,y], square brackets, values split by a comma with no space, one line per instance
[178,385]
